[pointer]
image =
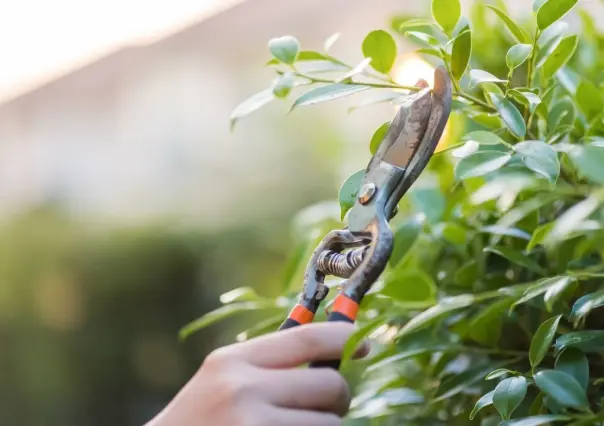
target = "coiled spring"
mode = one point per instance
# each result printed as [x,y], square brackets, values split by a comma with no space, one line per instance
[341,264]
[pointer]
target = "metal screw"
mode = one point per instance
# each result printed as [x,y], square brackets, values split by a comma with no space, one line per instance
[367,192]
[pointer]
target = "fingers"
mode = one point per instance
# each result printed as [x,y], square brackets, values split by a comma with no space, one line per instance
[318,390]
[297,346]
[292,417]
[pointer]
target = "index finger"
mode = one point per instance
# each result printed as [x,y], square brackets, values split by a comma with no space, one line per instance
[296,346]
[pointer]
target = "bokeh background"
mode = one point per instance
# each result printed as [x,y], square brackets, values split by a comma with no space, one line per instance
[126,205]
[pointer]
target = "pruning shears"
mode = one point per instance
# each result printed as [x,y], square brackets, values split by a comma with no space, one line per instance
[360,251]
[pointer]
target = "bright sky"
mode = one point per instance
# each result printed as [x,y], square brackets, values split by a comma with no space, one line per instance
[41,39]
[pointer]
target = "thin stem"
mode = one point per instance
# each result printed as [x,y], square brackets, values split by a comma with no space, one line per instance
[531,68]
[475,100]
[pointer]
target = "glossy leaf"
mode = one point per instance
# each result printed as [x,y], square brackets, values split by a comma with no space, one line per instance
[250,105]
[485,327]
[585,304]
[381,48]
[460,55]
[357,338]
[484,138]
[572,220]
[519,34]
[540,158]
[510,115]
[423,38]
[526,98]
[409,287]
[498,373]
[483,402]
[222,313]
[517,55]
[539,236]
[444,307]
[558,55]
[457,383]
[553,10]
[467,149]
[588,160]
[480,164]
[285,49]
[574,363]
[543,286]
[480,76]
[554,293]
[330,41]
[516,257]
[508,395]
[587,341]
[562,388]
[589,99]
[446,13]
[542,340]
[328,93]
[508,232]
[404,238]
[378,137]
[349,191]
[545,419]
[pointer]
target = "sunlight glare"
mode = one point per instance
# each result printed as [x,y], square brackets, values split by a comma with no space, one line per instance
[411,68]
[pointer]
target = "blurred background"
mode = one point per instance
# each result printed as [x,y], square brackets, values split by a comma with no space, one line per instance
[127,206]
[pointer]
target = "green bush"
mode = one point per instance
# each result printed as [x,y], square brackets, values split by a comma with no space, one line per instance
[488,313]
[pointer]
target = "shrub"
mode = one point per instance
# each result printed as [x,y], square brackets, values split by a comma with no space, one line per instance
[488,311]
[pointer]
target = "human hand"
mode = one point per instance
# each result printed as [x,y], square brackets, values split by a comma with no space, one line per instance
[257,382]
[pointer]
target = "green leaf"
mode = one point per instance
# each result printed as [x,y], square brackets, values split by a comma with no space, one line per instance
[562,388]
[574,363]
[285,49]
[423,38]
[283,85]
[353,342]
[444,307]
[330,41]
[508,232]
[508,395]
[526,98]
[480,164]
[587,341]
[251,104]
[404,238]
[584,305]
[467,149]
[510,115]
[349,191]
[572,219]
[542,340]
[537,5]
[589,99]
[517,55]
[241,294]
[480,76]
[457,383]
[485,327]
[381,48]
[536,420]
[446,13]
[328,93]
[378,137]
[516,257]
[498,373]
[519,34]
[223,313]
[558,55]
[460,55]
[554,293]
[304,55]
[409,287]
[539,236]
[588,160]
[540,158]
[483,402]
[484,138]
[553,10]
[542,286]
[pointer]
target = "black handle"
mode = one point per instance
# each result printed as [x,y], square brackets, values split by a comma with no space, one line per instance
[289,323]
[334,363]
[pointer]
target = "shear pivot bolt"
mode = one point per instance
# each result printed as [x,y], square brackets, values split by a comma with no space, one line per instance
[367,192]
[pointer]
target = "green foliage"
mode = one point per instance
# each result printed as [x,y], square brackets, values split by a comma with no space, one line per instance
[497,270]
